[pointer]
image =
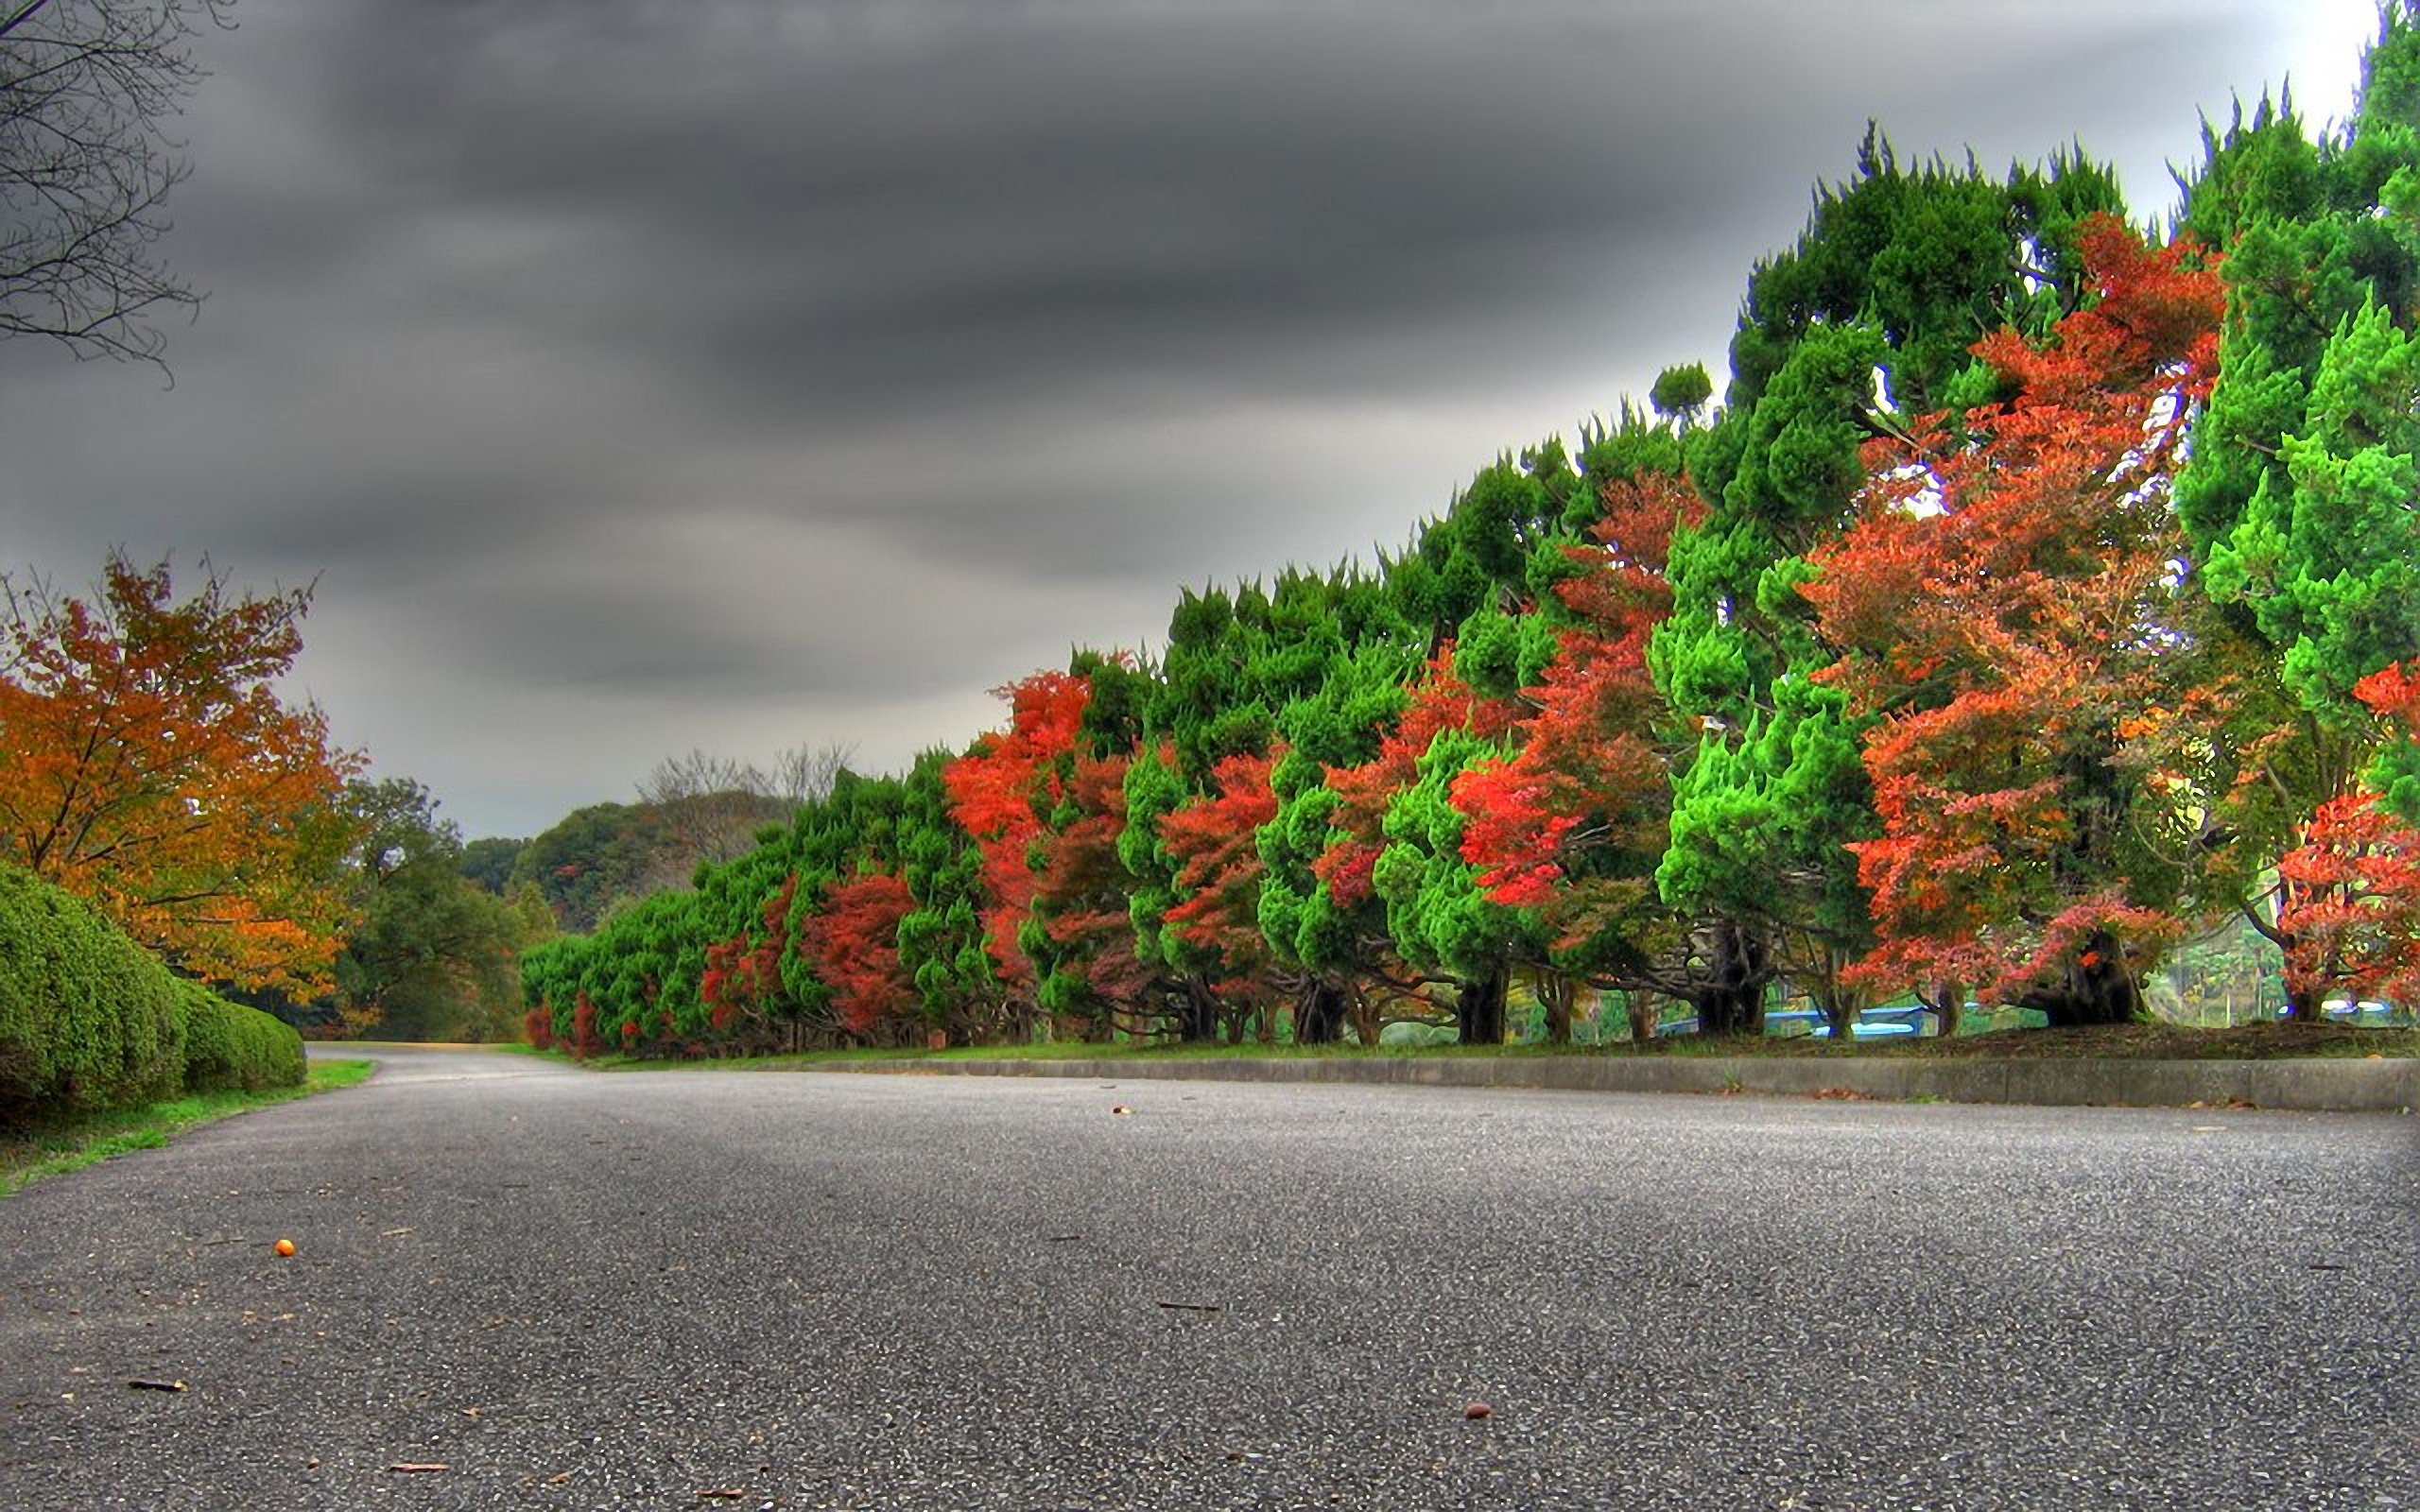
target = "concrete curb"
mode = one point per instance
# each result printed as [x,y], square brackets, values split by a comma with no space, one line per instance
[2297,1086]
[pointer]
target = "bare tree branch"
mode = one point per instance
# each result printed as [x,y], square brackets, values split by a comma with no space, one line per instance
[86,90]
[803,774]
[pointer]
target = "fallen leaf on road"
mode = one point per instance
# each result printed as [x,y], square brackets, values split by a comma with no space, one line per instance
[721,1493]
[157,1386]
[1194,1307]
[1476,1410]
[408,1469]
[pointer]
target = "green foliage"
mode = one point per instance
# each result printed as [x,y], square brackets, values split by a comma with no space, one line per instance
[940,938]
[2327,555]
[1681,393]
[87,1018]
[1436,913]
[488,863]
[432,956]
[230,1047]
[2314,232]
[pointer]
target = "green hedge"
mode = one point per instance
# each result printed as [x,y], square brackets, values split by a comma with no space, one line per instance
[231,1047]
[88,1019]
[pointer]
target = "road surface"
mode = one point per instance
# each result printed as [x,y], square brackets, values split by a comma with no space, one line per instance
[698,1289]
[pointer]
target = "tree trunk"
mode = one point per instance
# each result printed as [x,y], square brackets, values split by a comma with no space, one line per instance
[1554,995]
[1479,1009]
[1318,1018]
[1645,1009]
[2093,988]
[1732,1000]
[1951,1009]
[1197,1021]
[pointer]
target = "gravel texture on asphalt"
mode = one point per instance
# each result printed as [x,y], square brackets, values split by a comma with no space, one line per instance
[692,1289]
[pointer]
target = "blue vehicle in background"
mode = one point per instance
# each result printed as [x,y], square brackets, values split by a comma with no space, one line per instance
[1895,1021]
[2369,1013]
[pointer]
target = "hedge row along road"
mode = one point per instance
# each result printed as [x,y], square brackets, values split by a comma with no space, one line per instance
[517,1285]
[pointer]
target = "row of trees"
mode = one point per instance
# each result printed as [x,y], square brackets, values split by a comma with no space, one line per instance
[2039,595]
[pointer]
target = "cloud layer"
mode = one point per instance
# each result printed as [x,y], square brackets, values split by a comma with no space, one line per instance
[638,377]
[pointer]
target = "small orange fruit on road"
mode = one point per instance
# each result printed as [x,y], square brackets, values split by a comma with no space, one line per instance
[286,1246]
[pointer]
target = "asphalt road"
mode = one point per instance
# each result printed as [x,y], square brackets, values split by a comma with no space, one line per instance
[702,1289]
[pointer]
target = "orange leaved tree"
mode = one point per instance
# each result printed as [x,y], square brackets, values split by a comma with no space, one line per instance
[152,769]
[2008,612]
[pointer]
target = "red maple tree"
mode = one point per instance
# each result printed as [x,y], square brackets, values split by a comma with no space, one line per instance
[155,770]
[1096,977]
[1218,873]
[1001,792]
[1573,822]
[853,942]
[2005,604]
[2348,913]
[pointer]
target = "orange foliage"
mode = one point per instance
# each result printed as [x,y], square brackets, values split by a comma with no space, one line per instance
[855,944]
[1587,782]
[1215,842]
[2001,604]
[1000,792]
[154,771]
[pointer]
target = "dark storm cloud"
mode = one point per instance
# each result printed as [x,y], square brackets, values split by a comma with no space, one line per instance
[828,218]
[636,376]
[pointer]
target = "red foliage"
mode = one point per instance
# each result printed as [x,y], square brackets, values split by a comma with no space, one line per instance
[1440,700]
[1587,777]
[1220,869]
[584,1043]
[854,942]
[2352,908]
[2001,604]
[1000,793]
[538,1027]
[742,979]
[2349,894]
[1083,888]
[2393,693]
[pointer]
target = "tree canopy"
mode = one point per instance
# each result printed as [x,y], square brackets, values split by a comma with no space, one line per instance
[2031,597]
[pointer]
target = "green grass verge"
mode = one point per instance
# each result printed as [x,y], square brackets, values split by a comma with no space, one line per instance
[71,1144]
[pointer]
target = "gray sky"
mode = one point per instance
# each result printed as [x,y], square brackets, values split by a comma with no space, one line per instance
[738,373]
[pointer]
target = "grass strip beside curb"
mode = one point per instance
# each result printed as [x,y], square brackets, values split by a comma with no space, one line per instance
[28,1156]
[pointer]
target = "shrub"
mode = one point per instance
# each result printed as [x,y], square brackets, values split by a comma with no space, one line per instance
[229,1046]
[87,1018]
